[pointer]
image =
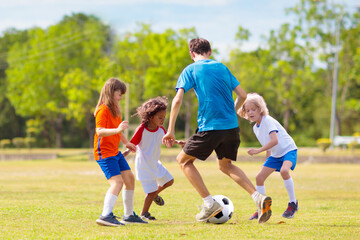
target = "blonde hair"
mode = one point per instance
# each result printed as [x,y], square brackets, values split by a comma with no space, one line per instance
[107,96]
[150,108]
[258,101]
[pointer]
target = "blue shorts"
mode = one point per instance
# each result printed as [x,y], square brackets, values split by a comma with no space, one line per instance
[113,166]
[276,163]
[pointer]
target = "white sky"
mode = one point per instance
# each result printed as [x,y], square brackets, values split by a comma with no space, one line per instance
[215,20]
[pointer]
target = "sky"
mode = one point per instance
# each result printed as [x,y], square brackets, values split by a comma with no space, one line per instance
[215,20]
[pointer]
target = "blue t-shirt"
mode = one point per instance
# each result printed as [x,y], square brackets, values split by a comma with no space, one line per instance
[213,84]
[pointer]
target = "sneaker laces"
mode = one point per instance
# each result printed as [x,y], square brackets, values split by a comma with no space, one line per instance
[289,208]
[135,215]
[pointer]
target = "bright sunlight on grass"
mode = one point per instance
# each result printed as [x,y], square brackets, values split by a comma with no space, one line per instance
[61,199]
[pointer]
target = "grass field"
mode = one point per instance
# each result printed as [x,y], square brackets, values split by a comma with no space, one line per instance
[61,199]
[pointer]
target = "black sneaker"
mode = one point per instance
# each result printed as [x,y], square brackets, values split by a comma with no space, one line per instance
[109,220]
[147,216]
[254,216]
[132,219]
[291,210]
[159,200]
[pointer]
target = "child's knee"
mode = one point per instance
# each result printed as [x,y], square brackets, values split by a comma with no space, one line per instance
[152,194]
[129,180]
[169,183]
[284,173]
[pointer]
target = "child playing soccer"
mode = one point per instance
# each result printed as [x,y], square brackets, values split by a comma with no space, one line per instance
[218,127]
[281,151]
[153,176]
[106,152]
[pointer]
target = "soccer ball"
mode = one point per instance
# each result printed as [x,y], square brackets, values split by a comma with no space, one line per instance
[226,213]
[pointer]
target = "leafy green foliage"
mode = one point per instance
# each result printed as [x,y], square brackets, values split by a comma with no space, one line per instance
[54,75]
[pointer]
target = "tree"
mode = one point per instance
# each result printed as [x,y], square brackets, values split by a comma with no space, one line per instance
[152,62]
[41,70]
[11,124]
[317,22]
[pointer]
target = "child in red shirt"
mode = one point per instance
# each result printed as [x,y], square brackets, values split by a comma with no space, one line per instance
[154,177]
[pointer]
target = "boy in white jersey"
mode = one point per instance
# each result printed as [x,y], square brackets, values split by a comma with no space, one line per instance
[153,176]
[281,151]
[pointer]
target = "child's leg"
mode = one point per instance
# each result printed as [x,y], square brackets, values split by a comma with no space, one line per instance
[148,201]
[166,185]
[151,196]
[111,196]
[288,181]
[263,174]
[128,192]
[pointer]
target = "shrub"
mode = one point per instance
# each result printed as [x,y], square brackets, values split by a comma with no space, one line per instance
[354,145]
[29,142]
[323,143]
[5,143]
[19,142]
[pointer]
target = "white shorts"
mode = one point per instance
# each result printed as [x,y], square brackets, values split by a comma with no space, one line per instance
[153,185]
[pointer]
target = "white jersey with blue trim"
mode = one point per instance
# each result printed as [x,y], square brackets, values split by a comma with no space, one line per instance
[285,142]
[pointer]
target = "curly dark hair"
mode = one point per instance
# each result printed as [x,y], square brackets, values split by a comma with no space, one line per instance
[150,108]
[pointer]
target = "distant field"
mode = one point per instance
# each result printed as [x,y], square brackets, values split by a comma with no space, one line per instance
[62,198]
[170,153]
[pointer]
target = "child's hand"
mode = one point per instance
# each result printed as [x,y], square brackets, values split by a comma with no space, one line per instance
[131,146]
[123,125]
[252,151]
[126,152]
[181,143]
[169,139]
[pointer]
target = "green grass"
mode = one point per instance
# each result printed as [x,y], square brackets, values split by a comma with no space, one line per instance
[61,199]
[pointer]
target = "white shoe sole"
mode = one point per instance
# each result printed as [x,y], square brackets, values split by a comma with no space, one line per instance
[265,212]
[212,215]
[104,223]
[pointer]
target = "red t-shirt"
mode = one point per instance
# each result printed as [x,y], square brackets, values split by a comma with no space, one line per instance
[105,147]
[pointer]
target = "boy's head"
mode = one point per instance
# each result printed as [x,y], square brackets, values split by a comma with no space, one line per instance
[254,100]
[199,46]
[148,109]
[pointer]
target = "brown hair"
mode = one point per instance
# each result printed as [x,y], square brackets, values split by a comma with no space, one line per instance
[107,96]
[199,46]
[150,108]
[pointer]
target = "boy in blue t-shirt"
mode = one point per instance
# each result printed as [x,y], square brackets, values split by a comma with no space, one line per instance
[218,127]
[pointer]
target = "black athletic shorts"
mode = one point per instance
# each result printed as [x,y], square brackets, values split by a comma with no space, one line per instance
[224,142]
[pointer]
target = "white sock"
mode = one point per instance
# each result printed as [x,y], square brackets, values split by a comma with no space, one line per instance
[260,189]
[289,185]
[128,201]
[255,195]
[109,203]
[208,201]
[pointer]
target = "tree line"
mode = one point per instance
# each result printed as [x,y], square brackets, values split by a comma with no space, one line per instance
[50,78]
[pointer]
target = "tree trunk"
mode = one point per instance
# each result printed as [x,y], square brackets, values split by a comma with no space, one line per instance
[58,129]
